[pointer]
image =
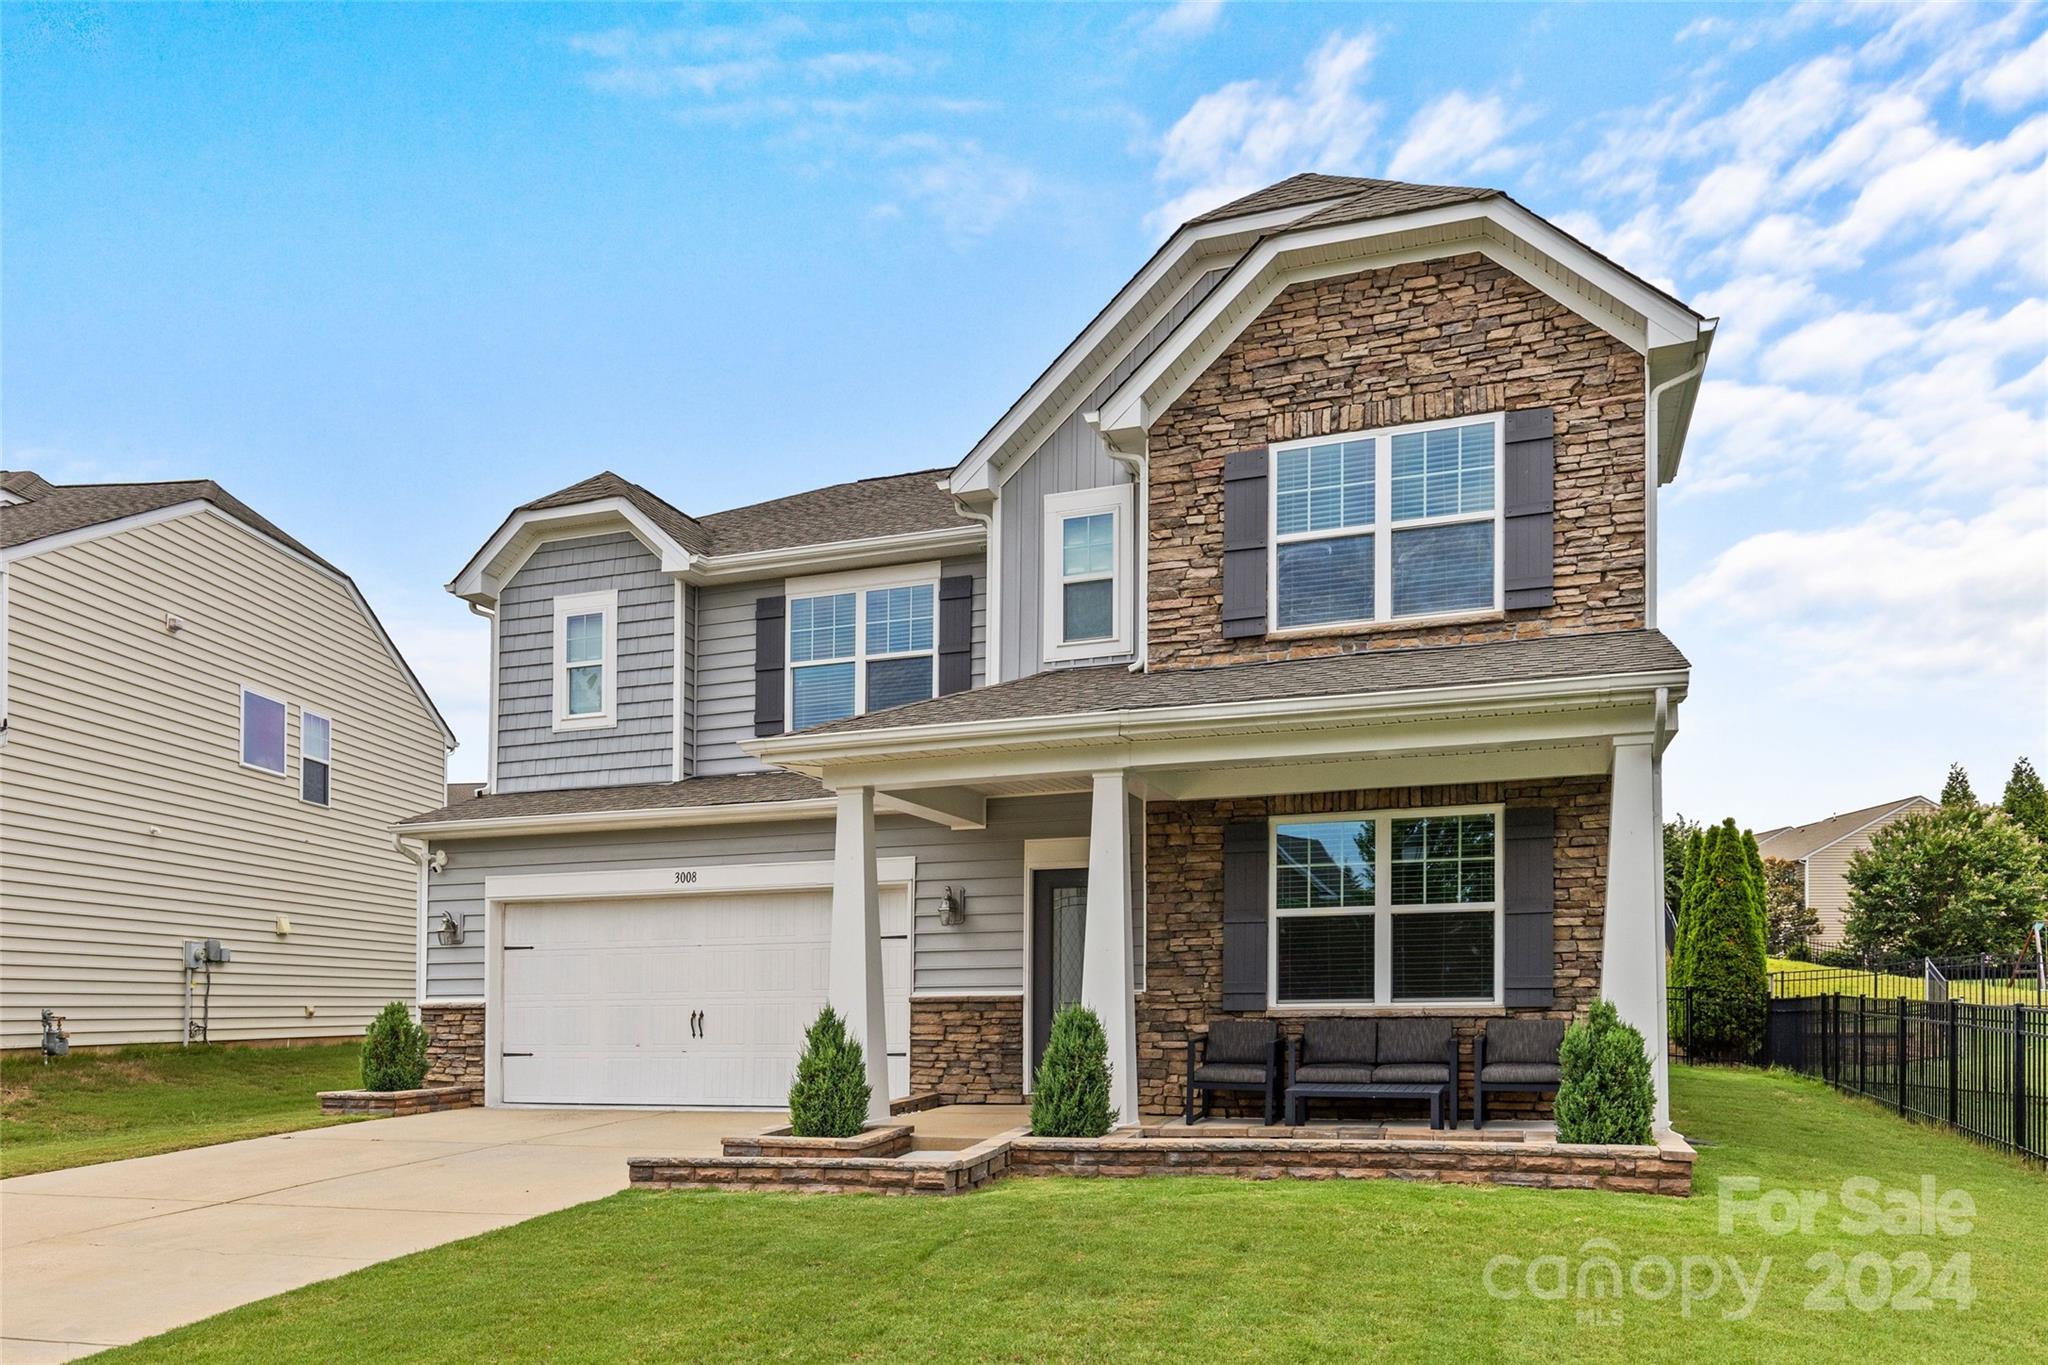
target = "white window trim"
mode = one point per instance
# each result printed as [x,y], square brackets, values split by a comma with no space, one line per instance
[1384,526]
[1055,509]
[242,732]
[580,604]
[860,583]
[327,762]
[1383,911]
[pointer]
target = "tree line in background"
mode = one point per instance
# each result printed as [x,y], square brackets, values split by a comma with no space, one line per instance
[1965,880]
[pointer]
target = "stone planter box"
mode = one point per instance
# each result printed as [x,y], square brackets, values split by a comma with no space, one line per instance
[913,1173]
[398,1103]
[882,1140]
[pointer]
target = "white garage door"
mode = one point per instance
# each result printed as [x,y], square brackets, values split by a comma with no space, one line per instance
[696,1000]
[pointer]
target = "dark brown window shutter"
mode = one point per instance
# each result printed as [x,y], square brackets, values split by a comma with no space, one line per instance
[1244,543]
[770,647]
[956,634]
[1529,904]
[1531,455]
[1245,915]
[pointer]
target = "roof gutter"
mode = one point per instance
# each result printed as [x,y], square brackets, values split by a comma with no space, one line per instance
[806,750]
[668,817]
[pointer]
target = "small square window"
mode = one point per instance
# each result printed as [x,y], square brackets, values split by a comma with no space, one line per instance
[263,732]
[316,757]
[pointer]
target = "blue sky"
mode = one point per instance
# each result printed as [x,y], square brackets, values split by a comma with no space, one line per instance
[387,271]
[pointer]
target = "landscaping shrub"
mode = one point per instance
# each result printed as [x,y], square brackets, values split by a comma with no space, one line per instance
[1603,1089]
[1954,882]
[1071,1098]
[394,1051]
[1721,951]
[829,1097]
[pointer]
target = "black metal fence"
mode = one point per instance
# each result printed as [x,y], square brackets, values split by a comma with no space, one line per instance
[1980,1069]
[1974,980]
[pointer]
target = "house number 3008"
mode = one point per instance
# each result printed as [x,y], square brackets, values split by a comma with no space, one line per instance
[686,877]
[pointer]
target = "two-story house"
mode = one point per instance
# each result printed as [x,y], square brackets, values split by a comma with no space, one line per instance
[1288,647]
[205,734]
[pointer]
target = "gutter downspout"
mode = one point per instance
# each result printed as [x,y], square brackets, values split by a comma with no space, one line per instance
[490,702]
[417,851]
[991,558]
[1141,475]
[1652,471]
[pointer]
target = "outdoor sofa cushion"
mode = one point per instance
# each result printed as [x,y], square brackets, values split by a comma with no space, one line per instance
[1509,1073]
[1523,1040]
[1414,1040]
[1411,1073]
[1339,1042]
[1247,1041]
[1230,1073]
[1332,1073]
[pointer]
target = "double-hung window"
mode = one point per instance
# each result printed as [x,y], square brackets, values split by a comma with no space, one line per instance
[316,757]
[1393,908]
[859,643]
[586,660]
[1387,525]
[1088,610]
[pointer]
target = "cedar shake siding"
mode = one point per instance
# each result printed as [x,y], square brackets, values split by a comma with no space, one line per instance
[1407,343]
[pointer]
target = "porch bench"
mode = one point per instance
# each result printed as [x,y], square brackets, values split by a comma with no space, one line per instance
[1392,1059]
[1514,1054]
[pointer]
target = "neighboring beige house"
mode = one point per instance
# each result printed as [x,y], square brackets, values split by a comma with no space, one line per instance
[1824,848]
[205,733]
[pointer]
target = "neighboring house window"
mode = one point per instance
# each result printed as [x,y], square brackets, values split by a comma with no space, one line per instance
[866,643]
[1387,525]
[1086,592]
[1396,908]
[586,660]
[316,756]
[262,732]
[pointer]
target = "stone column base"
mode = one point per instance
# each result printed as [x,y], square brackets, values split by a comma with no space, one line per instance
[455,1044]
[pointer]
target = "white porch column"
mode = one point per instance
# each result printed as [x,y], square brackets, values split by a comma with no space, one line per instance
[1108,973]
[1632,943]
[855,984]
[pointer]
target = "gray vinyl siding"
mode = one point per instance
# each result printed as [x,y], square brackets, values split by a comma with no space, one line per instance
[1073,457]
[723,623]
[984,954]
[689,722]
[641,746]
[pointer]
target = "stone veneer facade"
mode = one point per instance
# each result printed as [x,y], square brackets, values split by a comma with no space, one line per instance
[1409,343]
[968,1047]
[1184,923]
[455,1043]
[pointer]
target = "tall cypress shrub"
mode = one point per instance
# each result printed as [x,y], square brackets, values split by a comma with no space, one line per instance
[1071,1095]
[829,1095]
[1723,952]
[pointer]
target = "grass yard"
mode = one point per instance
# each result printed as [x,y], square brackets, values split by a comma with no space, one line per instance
[1790,978]
[136,1101]
[1178,1269]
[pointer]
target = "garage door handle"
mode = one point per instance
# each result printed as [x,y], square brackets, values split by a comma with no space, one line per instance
[696,1023]
[515,1054]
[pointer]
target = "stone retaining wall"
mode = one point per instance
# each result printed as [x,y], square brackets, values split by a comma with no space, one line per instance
[399,1103]
[971,1047]
[952,1173]
[1662,1169]
[884,1141]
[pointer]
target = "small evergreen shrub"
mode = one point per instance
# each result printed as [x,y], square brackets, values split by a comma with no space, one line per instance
[1071,1097]
[394,1051]
[1603,1089]
[829,1097]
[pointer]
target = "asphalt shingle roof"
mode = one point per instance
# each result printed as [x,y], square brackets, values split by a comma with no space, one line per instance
[1793,842]
[694,792]
[1362,198]
[55,509]
[1081,691]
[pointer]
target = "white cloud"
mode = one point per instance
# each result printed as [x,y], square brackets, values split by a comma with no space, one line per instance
[1248,134]
[1839,345]
[1186,18]
[2020,78]
[1458,132]
[1897,599]
[965,187]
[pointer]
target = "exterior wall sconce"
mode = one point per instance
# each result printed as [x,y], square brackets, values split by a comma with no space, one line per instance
[953,909]
[450,931]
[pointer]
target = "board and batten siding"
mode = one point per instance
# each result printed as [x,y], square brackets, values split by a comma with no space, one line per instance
[640,747]
[986,954]
[723,663]
[1072,458]
[128,825]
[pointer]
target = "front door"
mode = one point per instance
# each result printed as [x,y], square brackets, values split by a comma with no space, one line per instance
[1059,916]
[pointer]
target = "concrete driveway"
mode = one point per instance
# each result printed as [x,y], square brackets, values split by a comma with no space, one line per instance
[103,1255]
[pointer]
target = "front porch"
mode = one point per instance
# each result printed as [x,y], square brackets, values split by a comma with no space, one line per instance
[1467,854]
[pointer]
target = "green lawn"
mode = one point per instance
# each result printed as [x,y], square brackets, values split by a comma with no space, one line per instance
[1178,1269]
[135,1101]
[1790,978]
